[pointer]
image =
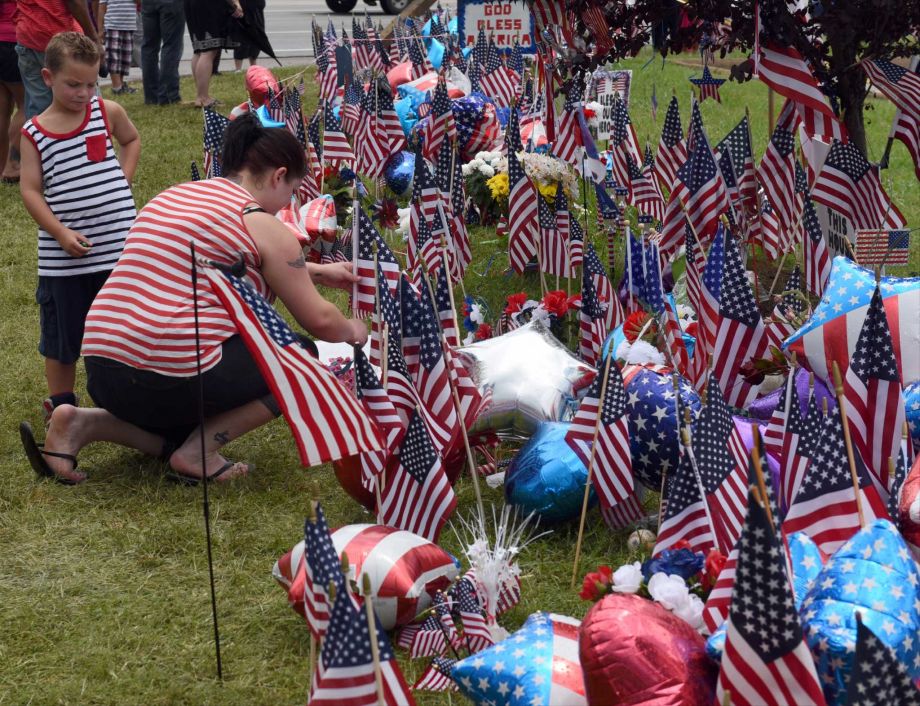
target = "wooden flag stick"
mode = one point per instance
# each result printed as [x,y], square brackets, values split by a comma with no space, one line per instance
[584,504]
[726,698]
[311,659]
[372,629]
[841,408]
[758,471]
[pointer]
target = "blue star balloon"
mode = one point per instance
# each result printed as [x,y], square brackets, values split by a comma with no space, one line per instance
[875,574]
[398,172]
[912,411]
[537,666]
[265,119]
[547,477]
[653,420]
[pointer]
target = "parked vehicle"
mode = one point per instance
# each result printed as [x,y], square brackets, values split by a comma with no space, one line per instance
[391,7]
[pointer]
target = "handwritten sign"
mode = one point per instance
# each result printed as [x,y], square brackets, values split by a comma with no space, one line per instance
[506,21]
[838,231]
[609,85]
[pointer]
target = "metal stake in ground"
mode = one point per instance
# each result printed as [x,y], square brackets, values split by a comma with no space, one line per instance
[206,507]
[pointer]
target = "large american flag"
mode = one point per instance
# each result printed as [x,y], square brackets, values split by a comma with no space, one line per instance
[345,672]
[321,568]
[740,334]
[699,184]
[777,168]
[672,149]
[417,497]
[902,87]
[849,184]
[721,459]
[327,422]
[522,205]
[603,408]
[686,517]
[872,387]
[497,81]
[765,661]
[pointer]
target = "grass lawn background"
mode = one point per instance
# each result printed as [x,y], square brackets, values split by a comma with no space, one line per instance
[103,587]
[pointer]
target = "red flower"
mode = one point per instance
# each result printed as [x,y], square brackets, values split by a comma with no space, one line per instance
[634,324]
[483,332]
[589,113]
[596,583]
[515,302]
[556,303]
[715,562]
[692,328]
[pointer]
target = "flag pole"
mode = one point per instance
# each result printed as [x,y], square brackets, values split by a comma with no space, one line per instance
[758,471]
[205,502]
[584,504]
[841,407]
[355,241]
[372,629]
[311,659]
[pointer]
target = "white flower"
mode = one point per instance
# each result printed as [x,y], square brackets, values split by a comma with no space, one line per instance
[476,314]
[669,590]
[639,353]
[542,315]
[466,170]
[476,163]
[627,578]
[691,611]
[487,171]
[403,214]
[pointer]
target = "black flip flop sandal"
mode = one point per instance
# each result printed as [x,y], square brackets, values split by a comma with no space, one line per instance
[182,479]
[36,454]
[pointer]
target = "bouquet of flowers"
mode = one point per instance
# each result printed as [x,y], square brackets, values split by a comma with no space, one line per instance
[474,317]
[679,579]
[487,185]
[549,173]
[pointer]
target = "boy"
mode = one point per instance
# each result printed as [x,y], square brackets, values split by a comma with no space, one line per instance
[79,194]
[119,19]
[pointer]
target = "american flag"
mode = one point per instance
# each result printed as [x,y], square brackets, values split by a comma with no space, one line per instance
[215,125]
[196,175]
[708,85]
[327,422]
[883,247]
[875,406]
[424,252]
[834,327]
[436,677]
[460,234]
[777,168]
[790,306]
[476,633]
[849,184]
[275,105]
[878,675]
[433,378]
[398,382]
[418,57]
[576,243]
[715,610]
[497,81]
[673,226]
[523,229]
[901,87]
[361,50]
[293,116]
[387,313]
[652,291]
[591,325]
[563,220]
[644,192]
[710,289]
[417,497]
[553,248]
[634,271]
[674,340]
[672,149]
[738,144]
[351,107]
[425,190]
[411,316]
[345,672]
[326,69]
[721,459]
[603,287]
[315,139]
[335,144]
[784,70]
[321,567]
[380,408]
[623,143]
[445,309]
[816,259]
[434,635]
[824,505]
[568,135]
[370,242]
[440,125]
[765,660]
[387,120]
[785,436]
[549,14]
[603,408]
[594,19]
[740,334]
[699,184]
[686,517]
[516,60]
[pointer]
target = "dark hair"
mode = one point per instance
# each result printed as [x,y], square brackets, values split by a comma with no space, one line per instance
[249,145]
[73,46]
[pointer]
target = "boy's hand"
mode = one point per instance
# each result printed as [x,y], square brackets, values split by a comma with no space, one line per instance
[73,243]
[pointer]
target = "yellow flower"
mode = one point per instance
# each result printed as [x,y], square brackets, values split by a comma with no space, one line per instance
[547,190]
[498,186]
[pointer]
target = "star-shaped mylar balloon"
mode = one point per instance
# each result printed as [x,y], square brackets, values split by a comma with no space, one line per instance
[527,376]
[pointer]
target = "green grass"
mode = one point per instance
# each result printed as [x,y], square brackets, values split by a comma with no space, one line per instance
[103,587]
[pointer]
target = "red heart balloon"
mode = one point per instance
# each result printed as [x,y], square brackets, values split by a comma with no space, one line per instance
[633,651]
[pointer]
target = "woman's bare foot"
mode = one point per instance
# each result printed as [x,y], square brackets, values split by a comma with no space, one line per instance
[186,461]
[65,437]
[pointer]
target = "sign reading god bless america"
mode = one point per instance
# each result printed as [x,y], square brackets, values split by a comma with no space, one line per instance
[505,21]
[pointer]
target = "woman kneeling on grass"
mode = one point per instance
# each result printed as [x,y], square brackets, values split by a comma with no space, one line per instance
[139,344]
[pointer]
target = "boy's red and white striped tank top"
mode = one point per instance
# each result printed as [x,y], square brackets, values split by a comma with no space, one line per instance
[144,316]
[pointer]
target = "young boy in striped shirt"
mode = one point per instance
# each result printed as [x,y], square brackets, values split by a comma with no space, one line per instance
[78,192]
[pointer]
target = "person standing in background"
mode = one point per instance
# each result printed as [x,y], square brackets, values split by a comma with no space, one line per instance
[161,50]
[253,15]
[11,95]
[117,19]
[37,21]
[209,27]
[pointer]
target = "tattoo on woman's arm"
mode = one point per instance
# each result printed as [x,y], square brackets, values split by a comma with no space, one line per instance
[222,437]
[298,264]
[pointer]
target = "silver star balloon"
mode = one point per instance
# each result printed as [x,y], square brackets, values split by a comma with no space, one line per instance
[527,376]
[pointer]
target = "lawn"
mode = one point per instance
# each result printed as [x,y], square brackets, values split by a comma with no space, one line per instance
[104,587]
